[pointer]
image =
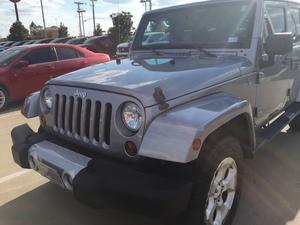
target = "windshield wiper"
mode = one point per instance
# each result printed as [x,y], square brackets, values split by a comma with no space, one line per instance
[208,53]
[157,53]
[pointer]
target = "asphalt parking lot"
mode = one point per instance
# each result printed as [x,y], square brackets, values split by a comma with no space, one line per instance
[271,190]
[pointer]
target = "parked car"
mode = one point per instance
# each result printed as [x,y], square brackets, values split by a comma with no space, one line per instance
[44,41]
[100,44]
[3,43]
[169,129]
[25,69]
[6,45]
[61,40]
[123,49]
[29,42]
[77,41]
[18,43]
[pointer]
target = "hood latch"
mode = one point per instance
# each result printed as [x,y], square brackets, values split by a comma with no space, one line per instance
[160,98]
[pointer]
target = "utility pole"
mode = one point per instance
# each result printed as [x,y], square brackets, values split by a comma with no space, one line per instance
[42,7]
[16,8]
[83,29]
[79,16]
[94,20]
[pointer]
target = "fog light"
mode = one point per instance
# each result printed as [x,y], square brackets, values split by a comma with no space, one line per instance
[196,144]
[130,148]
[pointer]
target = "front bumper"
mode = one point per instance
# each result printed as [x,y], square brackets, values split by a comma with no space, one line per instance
[99,182]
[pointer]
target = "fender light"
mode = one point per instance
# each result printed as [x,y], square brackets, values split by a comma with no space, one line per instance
[196,144]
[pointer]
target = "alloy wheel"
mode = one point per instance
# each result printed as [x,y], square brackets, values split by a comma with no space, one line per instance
[222,192]
[2,99]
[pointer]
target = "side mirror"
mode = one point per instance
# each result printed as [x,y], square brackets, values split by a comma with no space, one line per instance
[22,64]
[279,44]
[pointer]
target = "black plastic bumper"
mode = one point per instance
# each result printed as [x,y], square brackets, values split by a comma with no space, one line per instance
[23,138]
[105,183]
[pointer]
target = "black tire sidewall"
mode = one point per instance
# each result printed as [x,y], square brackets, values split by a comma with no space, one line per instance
[295,124]
[213,154]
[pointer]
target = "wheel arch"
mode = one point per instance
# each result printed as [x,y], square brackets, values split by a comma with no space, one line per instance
[6,89]
[171,135]
[240,128]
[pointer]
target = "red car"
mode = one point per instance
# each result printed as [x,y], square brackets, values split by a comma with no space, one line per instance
[25,69]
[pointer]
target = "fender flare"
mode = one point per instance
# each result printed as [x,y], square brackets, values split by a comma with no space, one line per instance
[31,106]
[170,136]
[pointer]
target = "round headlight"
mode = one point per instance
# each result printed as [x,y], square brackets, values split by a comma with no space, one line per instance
[132,116]
[48,98]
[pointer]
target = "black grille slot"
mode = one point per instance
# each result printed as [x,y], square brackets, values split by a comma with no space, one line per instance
[56,110]
[97,121]
[70,114]
[63,112]
[108,110]
[78,119]
[87,118]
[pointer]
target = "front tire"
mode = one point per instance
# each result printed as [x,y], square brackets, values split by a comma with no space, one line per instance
[217,186]
[295,124]
[4,98]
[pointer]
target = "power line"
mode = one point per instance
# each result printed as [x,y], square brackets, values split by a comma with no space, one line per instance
[79,15]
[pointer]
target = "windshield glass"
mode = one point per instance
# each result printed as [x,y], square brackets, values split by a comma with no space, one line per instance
[6,57]
[218,25]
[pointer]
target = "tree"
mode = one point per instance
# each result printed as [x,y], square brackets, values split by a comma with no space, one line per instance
[122,28]
[98,31]
[18,32]
[62,31]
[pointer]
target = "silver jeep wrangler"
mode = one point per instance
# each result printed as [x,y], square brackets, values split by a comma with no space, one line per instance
[167,130]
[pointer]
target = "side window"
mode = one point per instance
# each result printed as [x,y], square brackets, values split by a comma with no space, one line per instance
[41,55]
[157,32]
[67,53]
[278,18]
[295,23]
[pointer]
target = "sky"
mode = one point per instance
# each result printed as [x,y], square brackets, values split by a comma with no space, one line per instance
[57,11]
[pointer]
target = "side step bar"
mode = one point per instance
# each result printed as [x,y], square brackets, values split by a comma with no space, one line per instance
[265,135]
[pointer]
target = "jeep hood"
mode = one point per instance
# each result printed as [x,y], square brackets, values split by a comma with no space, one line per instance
[175,76]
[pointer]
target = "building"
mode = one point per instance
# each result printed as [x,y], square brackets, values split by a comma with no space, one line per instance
[37,31]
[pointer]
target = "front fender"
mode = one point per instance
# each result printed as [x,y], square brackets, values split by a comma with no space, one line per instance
[170,136]
[31,107]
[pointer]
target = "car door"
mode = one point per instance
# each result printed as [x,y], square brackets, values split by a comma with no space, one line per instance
[274,71]
[40,69]
[294,28]
[69,59]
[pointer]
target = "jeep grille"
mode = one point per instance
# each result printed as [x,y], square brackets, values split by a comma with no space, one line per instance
[83,119]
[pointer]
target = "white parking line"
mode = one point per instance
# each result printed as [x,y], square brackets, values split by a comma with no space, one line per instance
[9,115]
[14,175]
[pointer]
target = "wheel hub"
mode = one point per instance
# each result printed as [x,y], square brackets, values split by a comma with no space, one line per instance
[222,192]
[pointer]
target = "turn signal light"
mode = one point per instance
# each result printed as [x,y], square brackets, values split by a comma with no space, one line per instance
[196,144]
[130,148]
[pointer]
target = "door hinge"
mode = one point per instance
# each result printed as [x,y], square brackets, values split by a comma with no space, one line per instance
[288,92]
[259,77]
[255,112]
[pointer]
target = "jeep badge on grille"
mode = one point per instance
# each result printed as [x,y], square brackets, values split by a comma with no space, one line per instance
[80,94]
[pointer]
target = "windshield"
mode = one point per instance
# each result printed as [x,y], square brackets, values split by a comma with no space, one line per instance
[6,57]
[218,25]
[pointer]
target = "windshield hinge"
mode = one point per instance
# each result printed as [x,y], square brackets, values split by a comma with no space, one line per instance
[160,98]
